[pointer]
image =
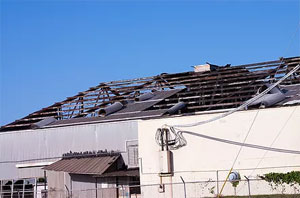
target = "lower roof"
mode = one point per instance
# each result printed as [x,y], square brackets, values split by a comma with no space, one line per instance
[85,165]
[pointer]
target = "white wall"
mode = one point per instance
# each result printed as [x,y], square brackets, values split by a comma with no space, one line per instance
[18,147]
[201,158]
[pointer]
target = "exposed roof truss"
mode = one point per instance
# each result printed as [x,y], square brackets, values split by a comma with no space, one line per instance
[226,87]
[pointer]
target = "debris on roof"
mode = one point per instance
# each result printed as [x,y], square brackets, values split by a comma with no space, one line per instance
[292,93]
[99,153]
[205,67]
[273,97]
[42,123]
[222,87]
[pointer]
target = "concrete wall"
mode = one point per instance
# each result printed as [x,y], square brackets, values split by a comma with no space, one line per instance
[202,158]
[27,146]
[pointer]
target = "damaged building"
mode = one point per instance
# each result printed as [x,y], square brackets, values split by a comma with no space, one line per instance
[146,137]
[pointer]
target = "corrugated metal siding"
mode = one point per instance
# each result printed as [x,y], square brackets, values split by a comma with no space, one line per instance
[53,142]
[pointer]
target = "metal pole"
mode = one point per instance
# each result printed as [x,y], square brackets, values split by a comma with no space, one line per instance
[45,180]
[217,182]
[12,189]
[96,187]
[248,180]
[183,186]
[23,188]
[35,187]
[123,191]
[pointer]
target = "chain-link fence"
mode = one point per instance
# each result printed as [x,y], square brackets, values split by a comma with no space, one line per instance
[245,188]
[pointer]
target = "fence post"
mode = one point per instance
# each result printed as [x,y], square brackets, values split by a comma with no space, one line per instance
[183,186]
[217,182]
[23,189]
[35,188]
[248,181]
[12,189]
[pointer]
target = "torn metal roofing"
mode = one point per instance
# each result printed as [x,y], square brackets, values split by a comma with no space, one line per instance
[110,118]
[292,94]
[222,88]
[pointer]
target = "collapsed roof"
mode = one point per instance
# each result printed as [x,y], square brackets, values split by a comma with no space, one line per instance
[220,87]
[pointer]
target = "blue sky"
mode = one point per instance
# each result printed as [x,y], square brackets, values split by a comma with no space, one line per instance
[53,49]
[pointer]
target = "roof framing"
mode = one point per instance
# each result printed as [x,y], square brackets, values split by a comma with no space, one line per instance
[226,87]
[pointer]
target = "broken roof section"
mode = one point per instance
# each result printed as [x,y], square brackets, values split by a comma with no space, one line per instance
[221,88]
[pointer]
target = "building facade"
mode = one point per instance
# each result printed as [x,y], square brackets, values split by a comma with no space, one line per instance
[24,153]
[135,118]
[208,161]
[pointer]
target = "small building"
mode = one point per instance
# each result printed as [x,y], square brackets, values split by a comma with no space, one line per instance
[92,174]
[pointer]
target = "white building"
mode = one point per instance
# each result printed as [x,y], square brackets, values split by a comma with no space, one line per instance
[208,160]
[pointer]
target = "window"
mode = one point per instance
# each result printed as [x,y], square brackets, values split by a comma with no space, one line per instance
[132,150]
[26,188]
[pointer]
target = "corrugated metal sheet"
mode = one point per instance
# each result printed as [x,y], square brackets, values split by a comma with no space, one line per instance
[143,105]
[111,118]
[134,110]
[85,165]
[292,92]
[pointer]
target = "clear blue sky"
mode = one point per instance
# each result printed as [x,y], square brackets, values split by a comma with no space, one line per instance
[53,49]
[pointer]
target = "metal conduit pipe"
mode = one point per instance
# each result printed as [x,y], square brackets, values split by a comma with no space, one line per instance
[144,96]
[176,108]
[110,109]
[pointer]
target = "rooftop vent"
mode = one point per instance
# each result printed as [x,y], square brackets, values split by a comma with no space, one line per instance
[144,96]
[205,67]
[176,108]
[110,109]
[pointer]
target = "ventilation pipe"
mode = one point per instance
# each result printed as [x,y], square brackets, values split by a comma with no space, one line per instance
[110,109]
[176,108]
[144,96]
[43,123]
